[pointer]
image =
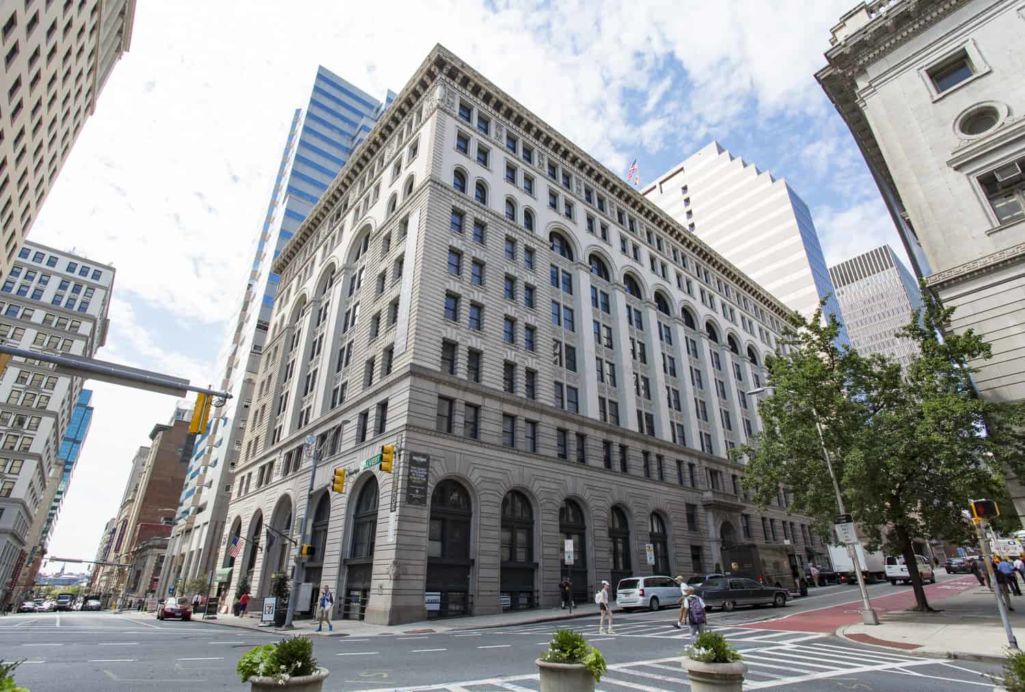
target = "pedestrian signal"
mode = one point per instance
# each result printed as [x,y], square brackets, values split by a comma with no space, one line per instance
[387,457]
[984,509]
[200,414]
[338,482]
[307,551]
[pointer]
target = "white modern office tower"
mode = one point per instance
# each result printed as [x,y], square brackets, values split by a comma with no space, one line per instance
[49,301]
[879,297]
[753,219]
[57,57]
[933,94]
[530,330]
[321,137]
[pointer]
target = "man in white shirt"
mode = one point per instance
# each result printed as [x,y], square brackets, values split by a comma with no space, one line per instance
[602,599]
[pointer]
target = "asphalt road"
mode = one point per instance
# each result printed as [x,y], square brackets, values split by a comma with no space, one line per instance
[103,651]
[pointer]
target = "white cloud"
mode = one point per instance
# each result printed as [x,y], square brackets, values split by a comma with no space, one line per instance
[170,178]
[850,231]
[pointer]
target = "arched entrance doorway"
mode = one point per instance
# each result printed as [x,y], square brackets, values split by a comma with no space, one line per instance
[278,548]
[314,568]
[619,538]
[360,563]
[573,527]
[660,543]
[448,551]
[252,549]
[518,564]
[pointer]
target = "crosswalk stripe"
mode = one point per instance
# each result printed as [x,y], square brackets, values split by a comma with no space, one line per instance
[855,655]
[884,655]
[510,686]
[644,674]
[776,653]
[814,654]
[834,673]
[623,683]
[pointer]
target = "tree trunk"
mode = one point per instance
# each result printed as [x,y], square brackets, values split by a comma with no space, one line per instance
[907,550]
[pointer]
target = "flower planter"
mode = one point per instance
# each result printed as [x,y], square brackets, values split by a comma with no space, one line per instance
[714,677]
[564,677]
[299,683]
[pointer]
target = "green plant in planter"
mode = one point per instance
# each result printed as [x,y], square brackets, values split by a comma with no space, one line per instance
[1014,671]
[712,647]
[285,659]
[569,646]
[279,587]
[243,586]
[7,683]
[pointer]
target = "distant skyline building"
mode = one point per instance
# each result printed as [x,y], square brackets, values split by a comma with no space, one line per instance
[878,296]
[58,56]
[334,122]
[70,449]
[753,219]
[55,301]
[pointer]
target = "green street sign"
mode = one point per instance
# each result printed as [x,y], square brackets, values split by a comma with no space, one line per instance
[372,462]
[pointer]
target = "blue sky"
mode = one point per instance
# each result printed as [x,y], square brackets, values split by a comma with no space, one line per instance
[170,178]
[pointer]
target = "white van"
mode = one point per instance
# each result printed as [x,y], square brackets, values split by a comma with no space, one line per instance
[647,592]
[897,571]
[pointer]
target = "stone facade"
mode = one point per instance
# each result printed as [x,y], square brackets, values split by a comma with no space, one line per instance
[449,295]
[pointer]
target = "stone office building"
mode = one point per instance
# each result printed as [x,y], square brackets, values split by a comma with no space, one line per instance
[558,359]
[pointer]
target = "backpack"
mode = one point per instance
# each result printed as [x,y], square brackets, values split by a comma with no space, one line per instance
[597,597]
[695,611]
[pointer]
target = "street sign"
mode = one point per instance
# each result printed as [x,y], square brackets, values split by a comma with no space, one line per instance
[568,551]
[845,533]
[649,553]
[310,440]
[371,462]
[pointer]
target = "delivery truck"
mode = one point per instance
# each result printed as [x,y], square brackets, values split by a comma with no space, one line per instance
[873,563]
[772,565]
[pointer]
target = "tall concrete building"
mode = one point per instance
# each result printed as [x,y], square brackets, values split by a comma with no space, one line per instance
[755,220]
[321,138]
[49,301]
[57,57]
[932,92]
[142,527]
[552,381]
[879,297]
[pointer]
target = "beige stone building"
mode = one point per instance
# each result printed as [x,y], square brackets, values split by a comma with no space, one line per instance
[547,347]
[57,57]
[933,94]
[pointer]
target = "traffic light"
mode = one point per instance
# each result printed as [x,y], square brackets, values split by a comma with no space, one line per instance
[984,509]
[307,551]
[387,457]
[5,360]
[338,482]
[200,414]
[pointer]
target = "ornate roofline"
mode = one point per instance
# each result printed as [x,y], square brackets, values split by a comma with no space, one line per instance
[441,64]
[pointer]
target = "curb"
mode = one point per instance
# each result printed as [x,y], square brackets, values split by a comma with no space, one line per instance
[532,621]
[840,633]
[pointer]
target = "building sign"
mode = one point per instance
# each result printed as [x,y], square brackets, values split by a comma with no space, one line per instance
[567,550]
[649,553]
[416,479]
[268,609]
[432,601]
[302,605]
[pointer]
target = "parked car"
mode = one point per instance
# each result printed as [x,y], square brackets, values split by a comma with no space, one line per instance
[65,601]
[92,604]
[27,607]
[174,608]
[897,571]
[957,565]
[702,578]
[647,592]
[729,592]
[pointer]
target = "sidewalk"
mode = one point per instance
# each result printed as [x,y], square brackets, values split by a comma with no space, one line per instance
[968,627]
[344,628]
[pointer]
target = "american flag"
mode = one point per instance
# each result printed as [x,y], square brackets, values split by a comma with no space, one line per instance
[235,547]
[632,174]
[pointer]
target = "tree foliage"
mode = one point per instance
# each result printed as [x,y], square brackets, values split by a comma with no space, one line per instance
[909,447]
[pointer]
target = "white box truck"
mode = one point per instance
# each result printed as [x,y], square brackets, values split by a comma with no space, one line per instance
[873,563]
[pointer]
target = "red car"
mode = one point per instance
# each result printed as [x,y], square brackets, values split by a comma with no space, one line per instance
[174,608]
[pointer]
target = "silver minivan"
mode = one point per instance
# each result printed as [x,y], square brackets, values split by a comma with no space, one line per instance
[647,592]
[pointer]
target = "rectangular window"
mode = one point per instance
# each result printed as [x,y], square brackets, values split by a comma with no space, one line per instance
[528,258]
[509,377]
[452,307]
[606,453]
[471,421]
[448,357]
[510,249]
[477,273]
[692,517]
[509,330]
[476,317]
[456,221]
[508,430]
[529,293]
[473,364]
[562,443]
[361,426]
[1005,190]
[624,459]
[530,433]
[462,143]
[455,262]
[529,337]
[381,417]
[479,231]
[951,72]
[443,418]
[530,384]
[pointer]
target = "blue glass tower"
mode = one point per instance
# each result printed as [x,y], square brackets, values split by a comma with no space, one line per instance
[68,453]
[320,140]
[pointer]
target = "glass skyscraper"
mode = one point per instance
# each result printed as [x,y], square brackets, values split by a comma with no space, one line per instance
[70,448]
[320,140]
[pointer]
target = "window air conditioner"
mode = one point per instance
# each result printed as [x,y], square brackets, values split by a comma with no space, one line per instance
[1008,173]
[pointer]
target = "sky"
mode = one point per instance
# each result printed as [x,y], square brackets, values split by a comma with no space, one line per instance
[171,176]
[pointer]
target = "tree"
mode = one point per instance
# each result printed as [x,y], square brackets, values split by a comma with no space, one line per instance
[196,585]
[909,447]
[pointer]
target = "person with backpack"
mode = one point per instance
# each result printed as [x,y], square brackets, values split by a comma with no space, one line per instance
[324,607]
[566,589]
[692,611]
[602,599]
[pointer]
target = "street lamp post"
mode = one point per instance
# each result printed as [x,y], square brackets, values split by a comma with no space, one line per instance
[868,614]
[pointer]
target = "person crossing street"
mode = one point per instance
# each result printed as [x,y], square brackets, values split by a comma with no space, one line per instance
[324,607]
[602,599]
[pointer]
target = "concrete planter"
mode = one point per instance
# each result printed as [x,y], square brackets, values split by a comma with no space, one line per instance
[714,677]
[564,677]
[300,683]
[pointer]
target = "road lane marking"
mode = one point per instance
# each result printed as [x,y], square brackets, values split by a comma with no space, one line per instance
[405,638]
[112,660]
[424,651]
[42,644]
[495,646]
[466,635]
[203,658]
[118,643]
[58,619]
[358,653]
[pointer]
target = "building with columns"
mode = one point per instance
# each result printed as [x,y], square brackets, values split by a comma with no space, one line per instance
[932,92]
[548,380]
[336,119]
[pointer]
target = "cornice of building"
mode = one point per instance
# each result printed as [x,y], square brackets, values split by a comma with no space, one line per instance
[444,67]
[980,266]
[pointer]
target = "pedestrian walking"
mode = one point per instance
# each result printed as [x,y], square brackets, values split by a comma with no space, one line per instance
[1019,566]
[602,599]
[324,607]
[814,574]
[196,600]
[1000,570]
[1010,580]
[683,602]
[243,604]
[692,611]
[566,590]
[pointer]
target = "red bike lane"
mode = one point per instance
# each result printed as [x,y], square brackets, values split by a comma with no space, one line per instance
[830,618]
